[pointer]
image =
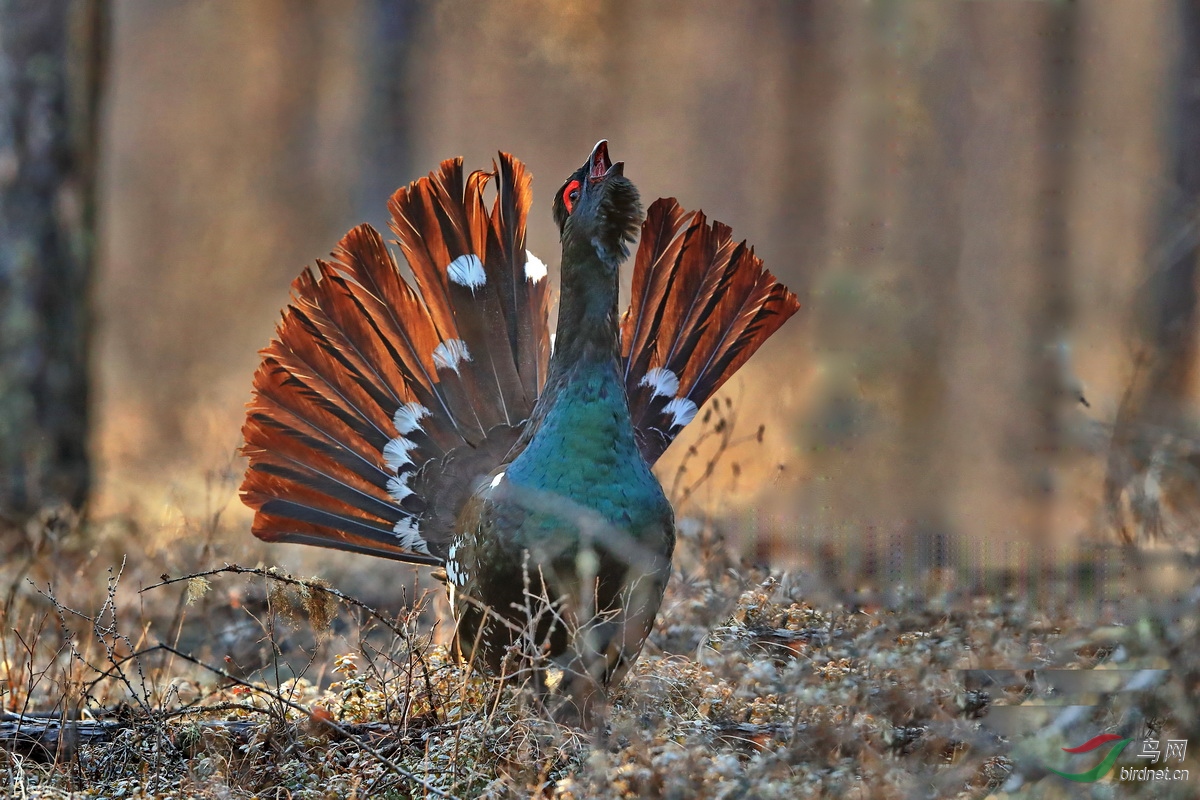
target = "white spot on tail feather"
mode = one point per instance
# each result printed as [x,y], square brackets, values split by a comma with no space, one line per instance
[396,452]
[681,409]
[455,574]
[664,382]
[467,271]
[398,486]
[448,353]
[553,339]
[410,538]
[496,480]
[407,416]
[535,268]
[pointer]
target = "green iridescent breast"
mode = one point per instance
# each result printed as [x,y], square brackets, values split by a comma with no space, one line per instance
[584,454]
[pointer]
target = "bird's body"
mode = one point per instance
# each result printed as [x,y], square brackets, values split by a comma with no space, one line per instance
[580,504]
[436,428]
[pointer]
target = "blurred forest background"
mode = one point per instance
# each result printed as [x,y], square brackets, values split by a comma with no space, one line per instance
[989,210]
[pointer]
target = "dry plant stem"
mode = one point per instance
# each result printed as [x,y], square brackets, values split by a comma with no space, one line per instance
[419,653]
[724,427]
[379,674]
[11,596]
[234,569]
[176,624]
[402,633]
[502,681]
[44,730]
[383,760]
[462,693]
[108,636]
[281,710]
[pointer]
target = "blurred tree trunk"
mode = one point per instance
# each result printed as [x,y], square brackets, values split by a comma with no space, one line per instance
[887,317]
[1055,394]
[811,80]
[1155,407]
[51,57]
[938,432]
[388,115]
[934,62]
[849,317]
[1010,280]
[247,167]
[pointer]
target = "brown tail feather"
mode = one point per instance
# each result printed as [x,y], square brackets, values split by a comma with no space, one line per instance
[275,521]
[387,324]
[653,270]
[516,304]
[701,306]
[369,381]
[468,277]
[526,293]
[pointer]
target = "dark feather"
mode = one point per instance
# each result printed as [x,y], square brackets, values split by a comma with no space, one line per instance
[701,306]
[653,270]
[358,343]
[281,520]
[522,298]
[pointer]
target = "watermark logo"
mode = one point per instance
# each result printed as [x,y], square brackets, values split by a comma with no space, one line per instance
[1152,748]
[1065,700]
[1100,770]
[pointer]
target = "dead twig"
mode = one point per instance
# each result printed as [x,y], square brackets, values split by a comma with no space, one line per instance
[341,730]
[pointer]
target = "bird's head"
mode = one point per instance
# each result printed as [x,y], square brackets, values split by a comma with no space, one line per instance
[599,206]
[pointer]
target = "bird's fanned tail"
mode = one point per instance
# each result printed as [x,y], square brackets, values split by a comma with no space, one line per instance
[378,403]
[702,305]
[369,382]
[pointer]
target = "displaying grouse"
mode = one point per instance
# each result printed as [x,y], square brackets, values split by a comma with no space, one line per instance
[445,425]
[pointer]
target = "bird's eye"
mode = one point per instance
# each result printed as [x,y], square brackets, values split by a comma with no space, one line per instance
[570,195]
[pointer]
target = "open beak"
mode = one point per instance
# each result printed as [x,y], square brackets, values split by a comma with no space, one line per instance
[600,166]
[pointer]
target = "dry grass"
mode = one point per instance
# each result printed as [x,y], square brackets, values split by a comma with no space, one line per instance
[120,680]
[746,689]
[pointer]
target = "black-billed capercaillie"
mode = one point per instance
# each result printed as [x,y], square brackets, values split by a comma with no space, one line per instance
[443,424]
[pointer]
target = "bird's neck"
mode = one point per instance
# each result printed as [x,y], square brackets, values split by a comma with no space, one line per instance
[587,338]
[580,440]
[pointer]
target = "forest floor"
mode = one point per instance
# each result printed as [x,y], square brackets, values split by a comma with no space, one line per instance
[248,683]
